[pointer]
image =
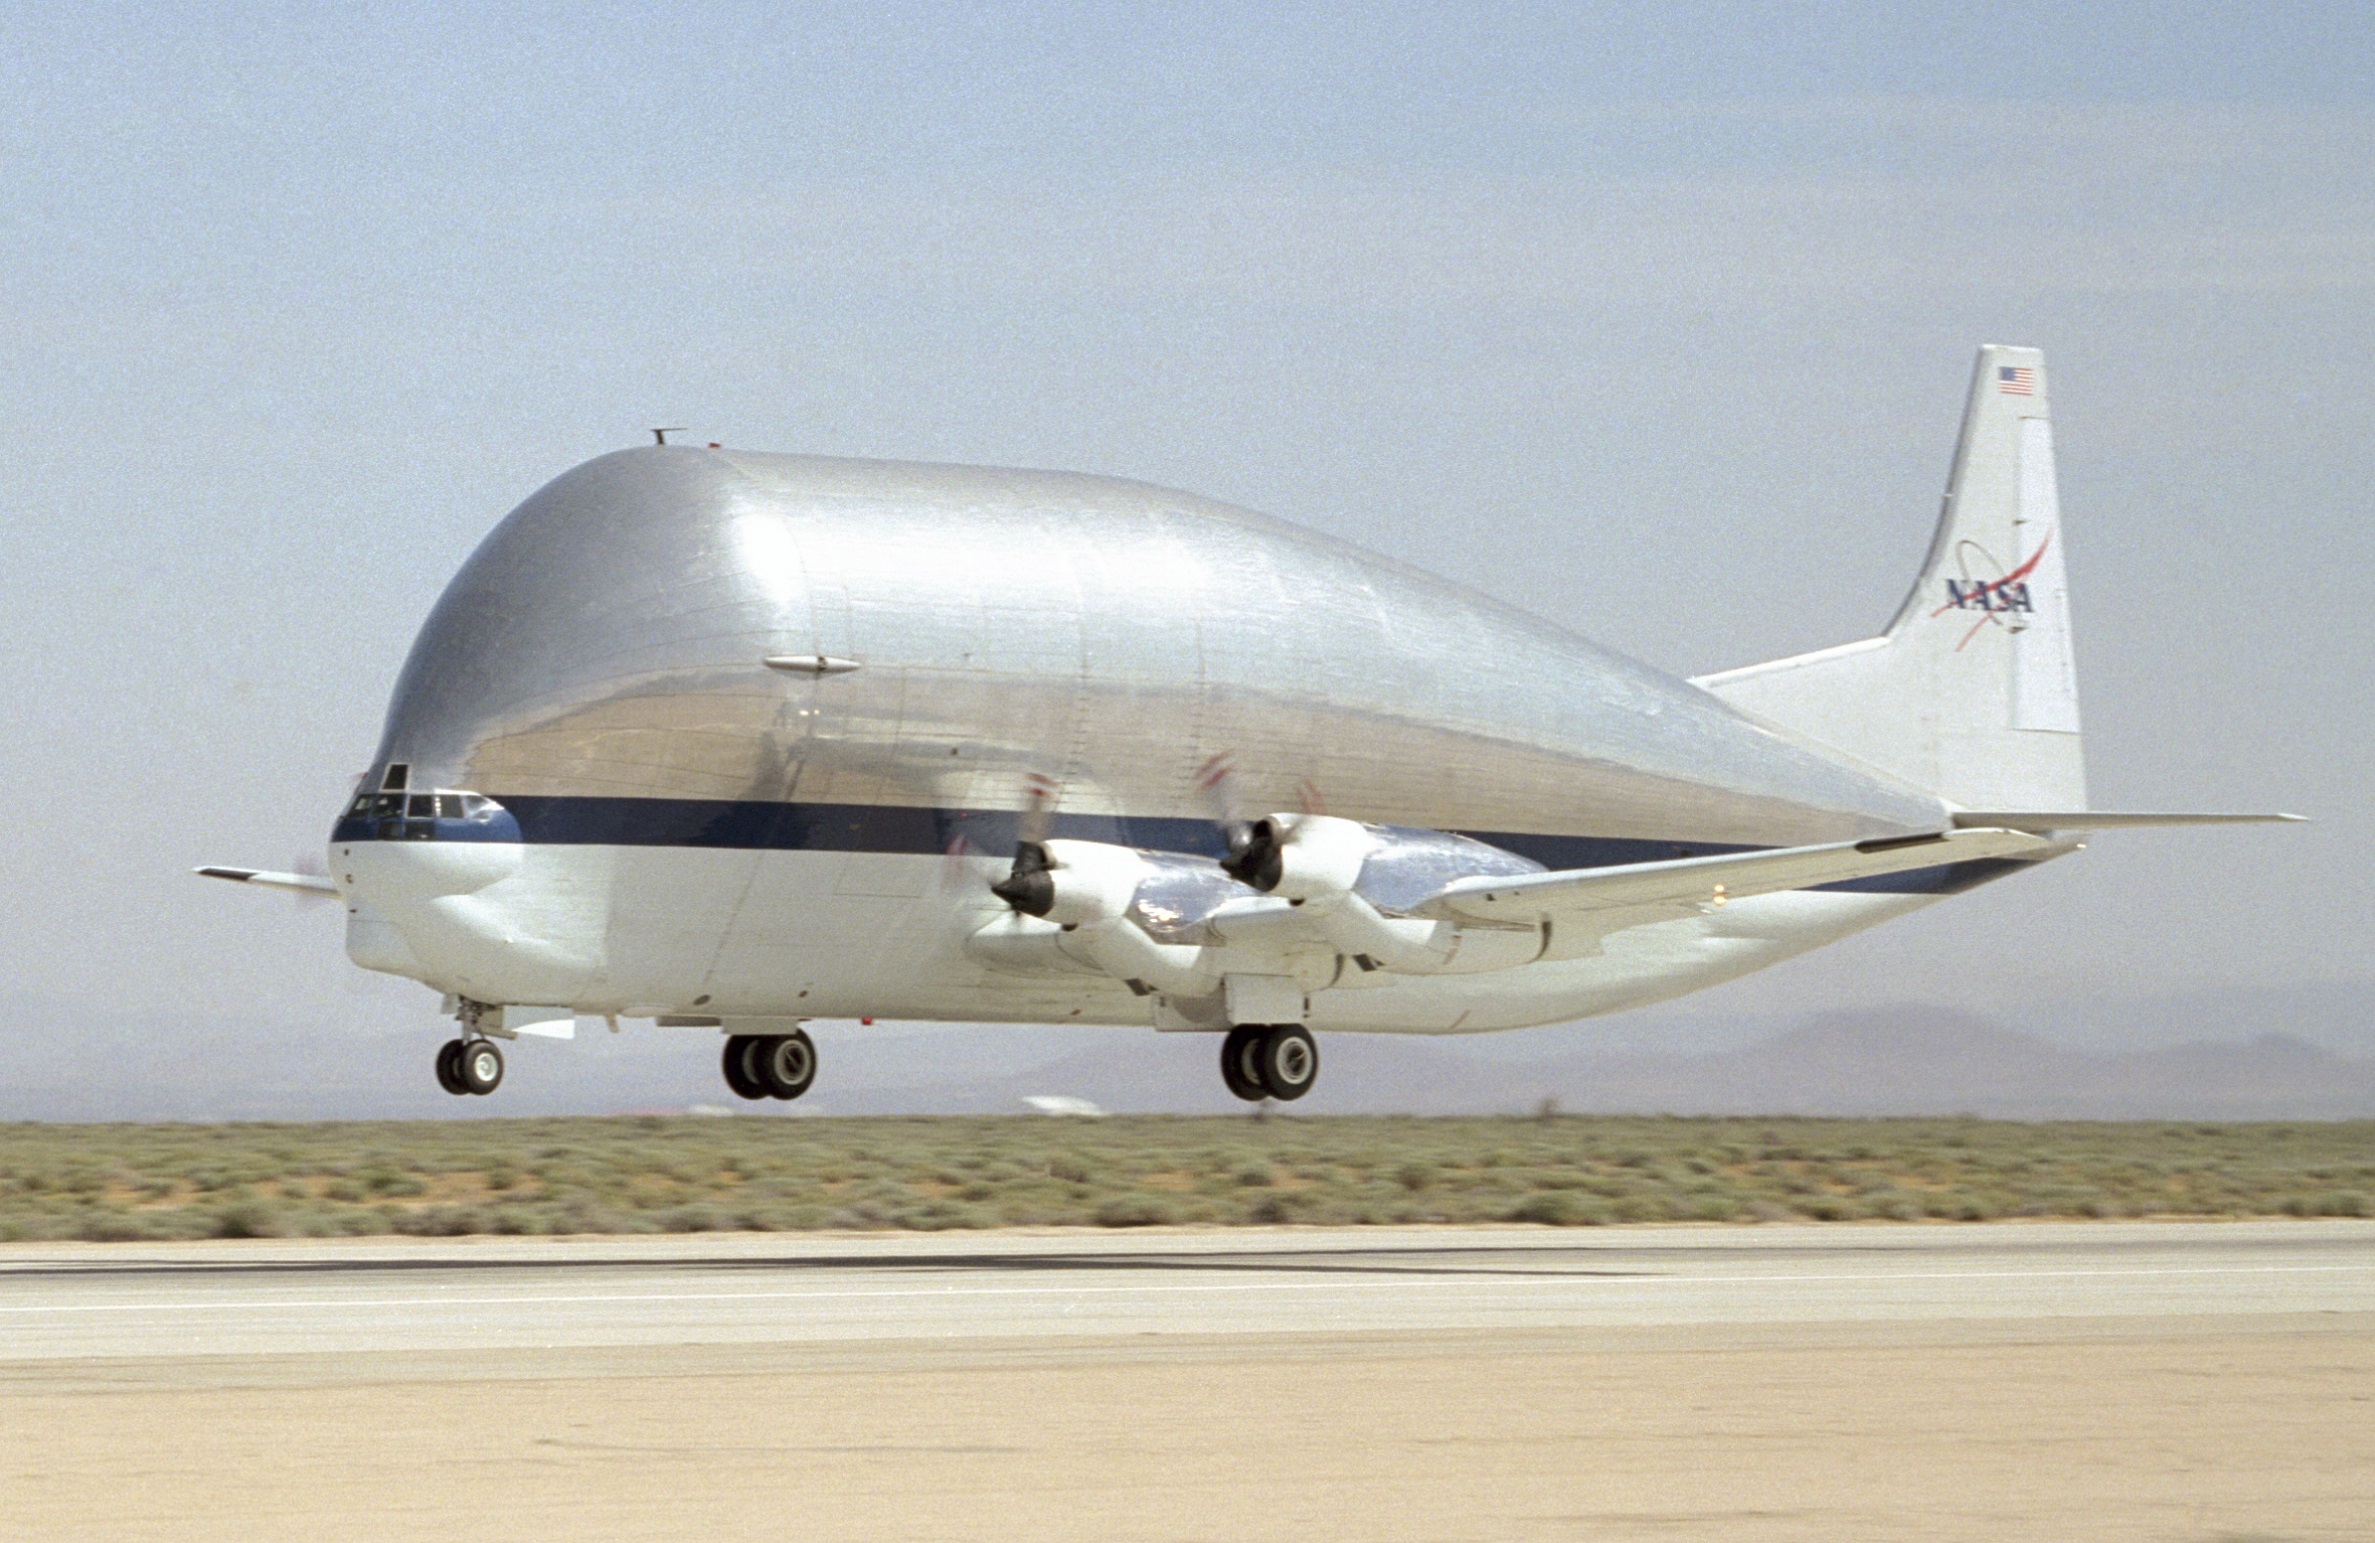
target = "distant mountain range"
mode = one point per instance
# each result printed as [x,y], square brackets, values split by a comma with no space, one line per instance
[1916,1062]
[57,1063]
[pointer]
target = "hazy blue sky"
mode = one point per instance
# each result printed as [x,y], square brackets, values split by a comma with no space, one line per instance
[1654,319]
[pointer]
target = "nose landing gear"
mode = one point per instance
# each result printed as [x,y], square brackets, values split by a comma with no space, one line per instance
[1279,1060]
[770,1065]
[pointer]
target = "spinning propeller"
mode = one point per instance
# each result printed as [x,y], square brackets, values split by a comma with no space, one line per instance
[1027,886]
[1256,854]
[1254,848]
[1252,856]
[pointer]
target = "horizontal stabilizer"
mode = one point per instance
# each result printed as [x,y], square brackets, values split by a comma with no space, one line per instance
[2084,819]
[303,883]
[1696,881]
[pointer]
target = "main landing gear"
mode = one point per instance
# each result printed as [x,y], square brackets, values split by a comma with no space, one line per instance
[770,1065]
[469,1066]
[1278,1060]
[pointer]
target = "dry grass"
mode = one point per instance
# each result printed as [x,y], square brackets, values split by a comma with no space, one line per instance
[641,1174]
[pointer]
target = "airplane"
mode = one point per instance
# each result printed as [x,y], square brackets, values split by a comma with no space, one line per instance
[743,741]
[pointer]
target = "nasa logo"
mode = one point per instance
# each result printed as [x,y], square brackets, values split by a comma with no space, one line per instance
[2002,601]
[1982,595]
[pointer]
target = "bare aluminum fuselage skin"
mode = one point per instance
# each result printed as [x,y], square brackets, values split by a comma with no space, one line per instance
[703,834]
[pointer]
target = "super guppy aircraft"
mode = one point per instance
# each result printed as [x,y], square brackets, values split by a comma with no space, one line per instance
[739,741]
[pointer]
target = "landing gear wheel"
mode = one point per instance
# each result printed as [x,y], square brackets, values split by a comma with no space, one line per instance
[785,1064]
[1290,1061]
[1241,1064]
[449,1066]
[479,1068]
[737,1065]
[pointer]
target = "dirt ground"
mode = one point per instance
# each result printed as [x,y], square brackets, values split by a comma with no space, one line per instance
[2137,1428]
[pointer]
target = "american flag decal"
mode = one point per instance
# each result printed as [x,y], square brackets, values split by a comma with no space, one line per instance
[2016,380]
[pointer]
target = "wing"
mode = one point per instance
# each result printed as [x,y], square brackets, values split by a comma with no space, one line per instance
[1696,881]
[303,883]
[2081,819]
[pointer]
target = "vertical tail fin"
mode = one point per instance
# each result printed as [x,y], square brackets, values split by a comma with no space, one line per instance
[1972,693]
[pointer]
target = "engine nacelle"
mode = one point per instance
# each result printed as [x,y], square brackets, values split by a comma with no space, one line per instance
[1082,883]
[1300,856]
[1123,912]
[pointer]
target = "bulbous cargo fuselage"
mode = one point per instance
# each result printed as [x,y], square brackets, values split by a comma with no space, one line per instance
[680,828]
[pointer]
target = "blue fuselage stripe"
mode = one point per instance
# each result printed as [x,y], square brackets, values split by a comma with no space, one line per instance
[752,825]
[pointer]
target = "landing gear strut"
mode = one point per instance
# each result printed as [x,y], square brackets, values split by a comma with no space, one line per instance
[770,1065]
[469,1066]
[1278,1061]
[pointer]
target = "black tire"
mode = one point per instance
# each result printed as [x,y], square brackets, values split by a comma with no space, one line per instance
[479,1067]
[1290,1061]
[737,1068]
[1241,1064]
[449,1066]
[785,1064]
[754,1055]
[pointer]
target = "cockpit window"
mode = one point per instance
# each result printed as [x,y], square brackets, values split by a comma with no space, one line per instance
[398,773]
[440,814]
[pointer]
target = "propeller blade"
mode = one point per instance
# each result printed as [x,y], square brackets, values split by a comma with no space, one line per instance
[1254,856]
[1039,807]
[1027,886]
[952,861]
[1216,783]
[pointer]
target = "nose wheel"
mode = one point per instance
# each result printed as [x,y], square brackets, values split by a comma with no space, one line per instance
[469,1066]
[770,1065]
[1279,1060]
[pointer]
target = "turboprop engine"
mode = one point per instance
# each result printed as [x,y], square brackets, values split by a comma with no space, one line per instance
[1322,867]
[1090,881]
[1299,899]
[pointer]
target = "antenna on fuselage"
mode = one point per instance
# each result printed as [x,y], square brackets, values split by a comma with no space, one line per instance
[660,436]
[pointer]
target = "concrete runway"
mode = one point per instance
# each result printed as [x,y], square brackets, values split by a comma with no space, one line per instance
[266,1298]
[2101,1380]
